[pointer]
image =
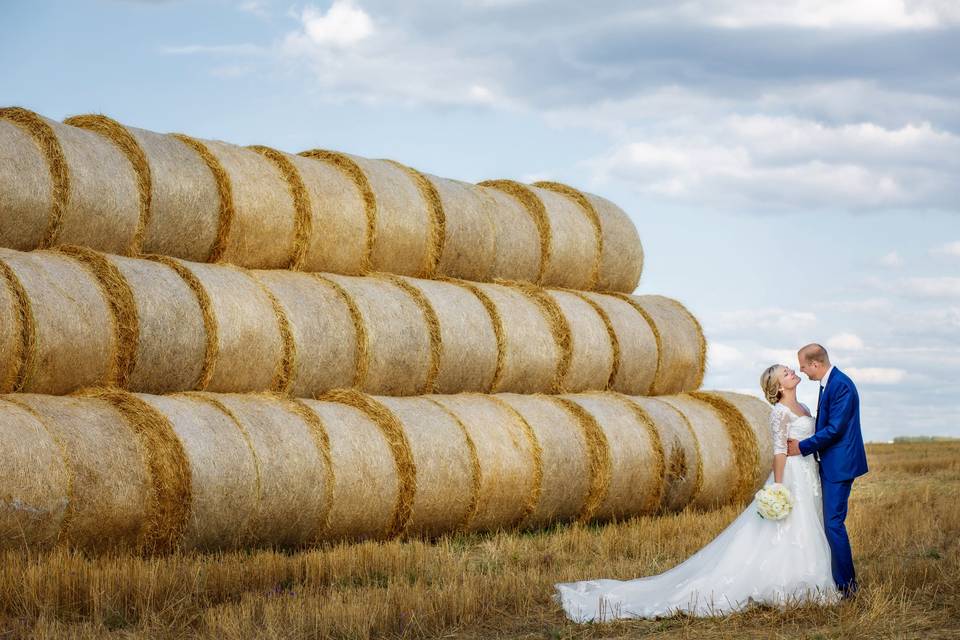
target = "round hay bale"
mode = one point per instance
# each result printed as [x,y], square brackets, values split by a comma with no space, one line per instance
[719,479]
[366,484]
[291,510]
[468,358]
[184,211]
[398,335]
[95,200]
[620,256]
[531,355]
[621,263]
[322,329]
[123,310]
[224,471]
[591,343]
[680,341]
[262,230]
[36,480]
[508,455]
[681,453]
[518,247]
[168,504]
[404,464]
[444,459]
[245,347]
[112,486]
[636,367]
[573,470]
[749,421]
[636,455]
[469,247]
[26,187]
[170,341]
[591,214]
[337,240]
[574,242]
[70,339]
[399,218]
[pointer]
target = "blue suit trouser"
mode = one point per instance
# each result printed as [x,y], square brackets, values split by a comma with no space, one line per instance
[835,495]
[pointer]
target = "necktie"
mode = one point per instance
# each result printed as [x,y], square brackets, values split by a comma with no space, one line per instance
[819,395]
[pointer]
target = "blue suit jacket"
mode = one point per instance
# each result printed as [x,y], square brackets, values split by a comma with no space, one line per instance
[838,439]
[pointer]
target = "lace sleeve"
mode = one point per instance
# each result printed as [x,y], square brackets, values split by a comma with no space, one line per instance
[780,426]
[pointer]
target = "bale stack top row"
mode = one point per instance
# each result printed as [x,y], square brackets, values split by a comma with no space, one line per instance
[93,182]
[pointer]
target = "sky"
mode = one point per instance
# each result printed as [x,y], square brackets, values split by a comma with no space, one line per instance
[792,166]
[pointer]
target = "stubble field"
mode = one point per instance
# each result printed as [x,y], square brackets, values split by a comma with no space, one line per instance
[904,525]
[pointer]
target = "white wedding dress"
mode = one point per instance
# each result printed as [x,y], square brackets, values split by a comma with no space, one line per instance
[752,561]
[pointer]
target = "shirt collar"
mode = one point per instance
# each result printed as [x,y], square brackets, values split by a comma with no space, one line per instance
[823,380]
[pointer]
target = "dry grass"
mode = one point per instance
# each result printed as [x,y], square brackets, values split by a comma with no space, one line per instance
[904,524]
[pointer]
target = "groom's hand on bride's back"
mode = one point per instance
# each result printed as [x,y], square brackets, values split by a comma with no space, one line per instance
[793,447]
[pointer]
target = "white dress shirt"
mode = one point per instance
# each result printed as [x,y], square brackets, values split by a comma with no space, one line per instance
[823,380]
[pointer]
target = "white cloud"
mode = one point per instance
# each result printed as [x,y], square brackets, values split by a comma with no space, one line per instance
[926,287]
[343,24]
[722,356]
[765,163]
[951,249]
[828,14]
[892,260]
[846,342]
[876,375]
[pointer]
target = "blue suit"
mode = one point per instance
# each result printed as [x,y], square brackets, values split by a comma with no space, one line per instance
[839,443]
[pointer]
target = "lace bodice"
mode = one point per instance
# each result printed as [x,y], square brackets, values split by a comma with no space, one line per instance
[785,424]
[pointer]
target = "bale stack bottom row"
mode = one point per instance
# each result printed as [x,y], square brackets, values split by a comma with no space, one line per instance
[109,469]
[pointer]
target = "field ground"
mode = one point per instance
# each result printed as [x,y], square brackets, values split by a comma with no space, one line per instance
[904,523]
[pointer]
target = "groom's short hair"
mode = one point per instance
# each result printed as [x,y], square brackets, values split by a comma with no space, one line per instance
[814,352]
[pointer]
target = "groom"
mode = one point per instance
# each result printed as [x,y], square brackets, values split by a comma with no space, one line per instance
[839,445]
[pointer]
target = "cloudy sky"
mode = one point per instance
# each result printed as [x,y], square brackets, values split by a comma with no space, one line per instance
[793,166]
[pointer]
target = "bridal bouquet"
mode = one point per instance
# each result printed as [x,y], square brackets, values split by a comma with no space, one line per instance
[774,502]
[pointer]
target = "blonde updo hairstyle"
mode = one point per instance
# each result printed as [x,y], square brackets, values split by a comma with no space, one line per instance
[770,383]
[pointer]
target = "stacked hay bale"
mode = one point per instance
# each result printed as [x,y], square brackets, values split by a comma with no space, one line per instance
[213,471]
[76,318]
[94,182]
[285,350]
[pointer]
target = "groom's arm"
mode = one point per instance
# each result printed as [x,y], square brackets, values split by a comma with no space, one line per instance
[841,412]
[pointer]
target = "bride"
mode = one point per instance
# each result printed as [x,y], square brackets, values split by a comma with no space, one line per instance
[753,560]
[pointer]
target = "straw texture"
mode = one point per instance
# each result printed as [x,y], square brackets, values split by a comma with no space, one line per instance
[366,484]
[531,356]
[322,330]
[292,475]
[400,352]
[444,466]
[639,349]
[224,472]
[32,185]
[718,461]
[95,197]
[35,478]
[112,489]
[636,456]
[262,231]
[518,243]
[683,476]
[468,354]
[593,348]
[469,247]
[337,239]
[756,413]
[506,456]
[67,339]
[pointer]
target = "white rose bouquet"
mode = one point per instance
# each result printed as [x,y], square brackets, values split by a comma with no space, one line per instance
[774,502]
